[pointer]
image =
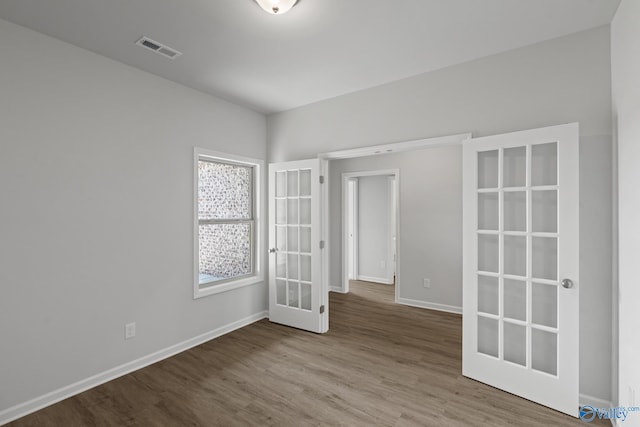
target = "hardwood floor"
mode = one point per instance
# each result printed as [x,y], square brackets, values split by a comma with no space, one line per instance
[380,364]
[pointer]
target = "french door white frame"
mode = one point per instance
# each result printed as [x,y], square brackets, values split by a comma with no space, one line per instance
[557,390]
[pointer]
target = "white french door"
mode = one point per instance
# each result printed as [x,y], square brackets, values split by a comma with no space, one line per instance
[521,259]
[296,293]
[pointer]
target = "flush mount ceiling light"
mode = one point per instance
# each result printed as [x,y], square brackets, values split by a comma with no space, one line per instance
[276,7]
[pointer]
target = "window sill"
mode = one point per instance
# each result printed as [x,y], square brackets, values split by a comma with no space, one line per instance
[212,288]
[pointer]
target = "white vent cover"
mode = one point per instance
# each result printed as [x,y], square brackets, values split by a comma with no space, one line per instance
[158,48]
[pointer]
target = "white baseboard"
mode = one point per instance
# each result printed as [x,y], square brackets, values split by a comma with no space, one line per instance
[382,280]
[337,289]
[596,402]
[55,396]
[430,305]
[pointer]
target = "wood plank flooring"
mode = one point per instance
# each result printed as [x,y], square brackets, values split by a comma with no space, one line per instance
[381,364]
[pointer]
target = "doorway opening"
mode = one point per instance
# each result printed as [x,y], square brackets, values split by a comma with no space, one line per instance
[369,227]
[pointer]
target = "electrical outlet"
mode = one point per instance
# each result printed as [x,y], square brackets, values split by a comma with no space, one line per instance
[129,330]
[426,283]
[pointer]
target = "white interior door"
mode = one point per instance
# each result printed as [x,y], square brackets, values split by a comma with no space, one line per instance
[297,296]
[520,284]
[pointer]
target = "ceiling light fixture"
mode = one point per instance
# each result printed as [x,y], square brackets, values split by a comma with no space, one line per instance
[276,7]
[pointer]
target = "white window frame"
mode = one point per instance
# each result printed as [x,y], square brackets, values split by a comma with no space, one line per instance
[257,276]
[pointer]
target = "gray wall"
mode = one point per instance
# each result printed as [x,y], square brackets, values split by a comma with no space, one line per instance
[374,230]
[625,45]
[558,81]
[96,217]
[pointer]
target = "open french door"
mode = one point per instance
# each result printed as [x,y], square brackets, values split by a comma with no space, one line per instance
[521,259]
[297,296]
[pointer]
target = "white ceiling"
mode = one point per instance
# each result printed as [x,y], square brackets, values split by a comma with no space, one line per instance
[318,50]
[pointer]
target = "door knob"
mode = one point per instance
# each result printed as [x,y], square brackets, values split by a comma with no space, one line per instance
[567,283]
[273,250]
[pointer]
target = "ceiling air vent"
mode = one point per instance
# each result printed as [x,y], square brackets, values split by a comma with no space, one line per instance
[158,48]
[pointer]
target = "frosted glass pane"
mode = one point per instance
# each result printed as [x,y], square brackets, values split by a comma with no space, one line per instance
[488,169]
[488,294]
[281,211]
[514,167]
[281,238]
[544,164]
[292,211]
[305,182]
[515,343]
[292,184]
[515,211]
[225,250]
[292,266]
[545,258]
[281,292]
[515,255]
[488,253]
[281,264]
[292,239]
[224,191]
[305,239]
[294,294]
[281,182]
[305,268]
[544,301]
[544,351]
[305,296]
[305,211]
[488,211]
[515,299]
[488,336]
[544,211]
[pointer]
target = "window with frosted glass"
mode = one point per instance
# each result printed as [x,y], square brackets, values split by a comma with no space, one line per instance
[225,221]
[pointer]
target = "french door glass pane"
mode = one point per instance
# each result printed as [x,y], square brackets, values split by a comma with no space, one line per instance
[305,268]
[488,211]
[292,239]
[305,182]
[292,211]
[515,211]
[544,211]
[281,211]
[544,258]
[488,336]
[488,252]
[544,164]
[488,169]
[305,296]
[305,211]
[515,343]
[544,301]
[544,351]
[281,292]
[305,239]
[281,238]
[281,178]
[515,299]
[292,183]
[488,294]
[514,167]
[294,294]
[515,255]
